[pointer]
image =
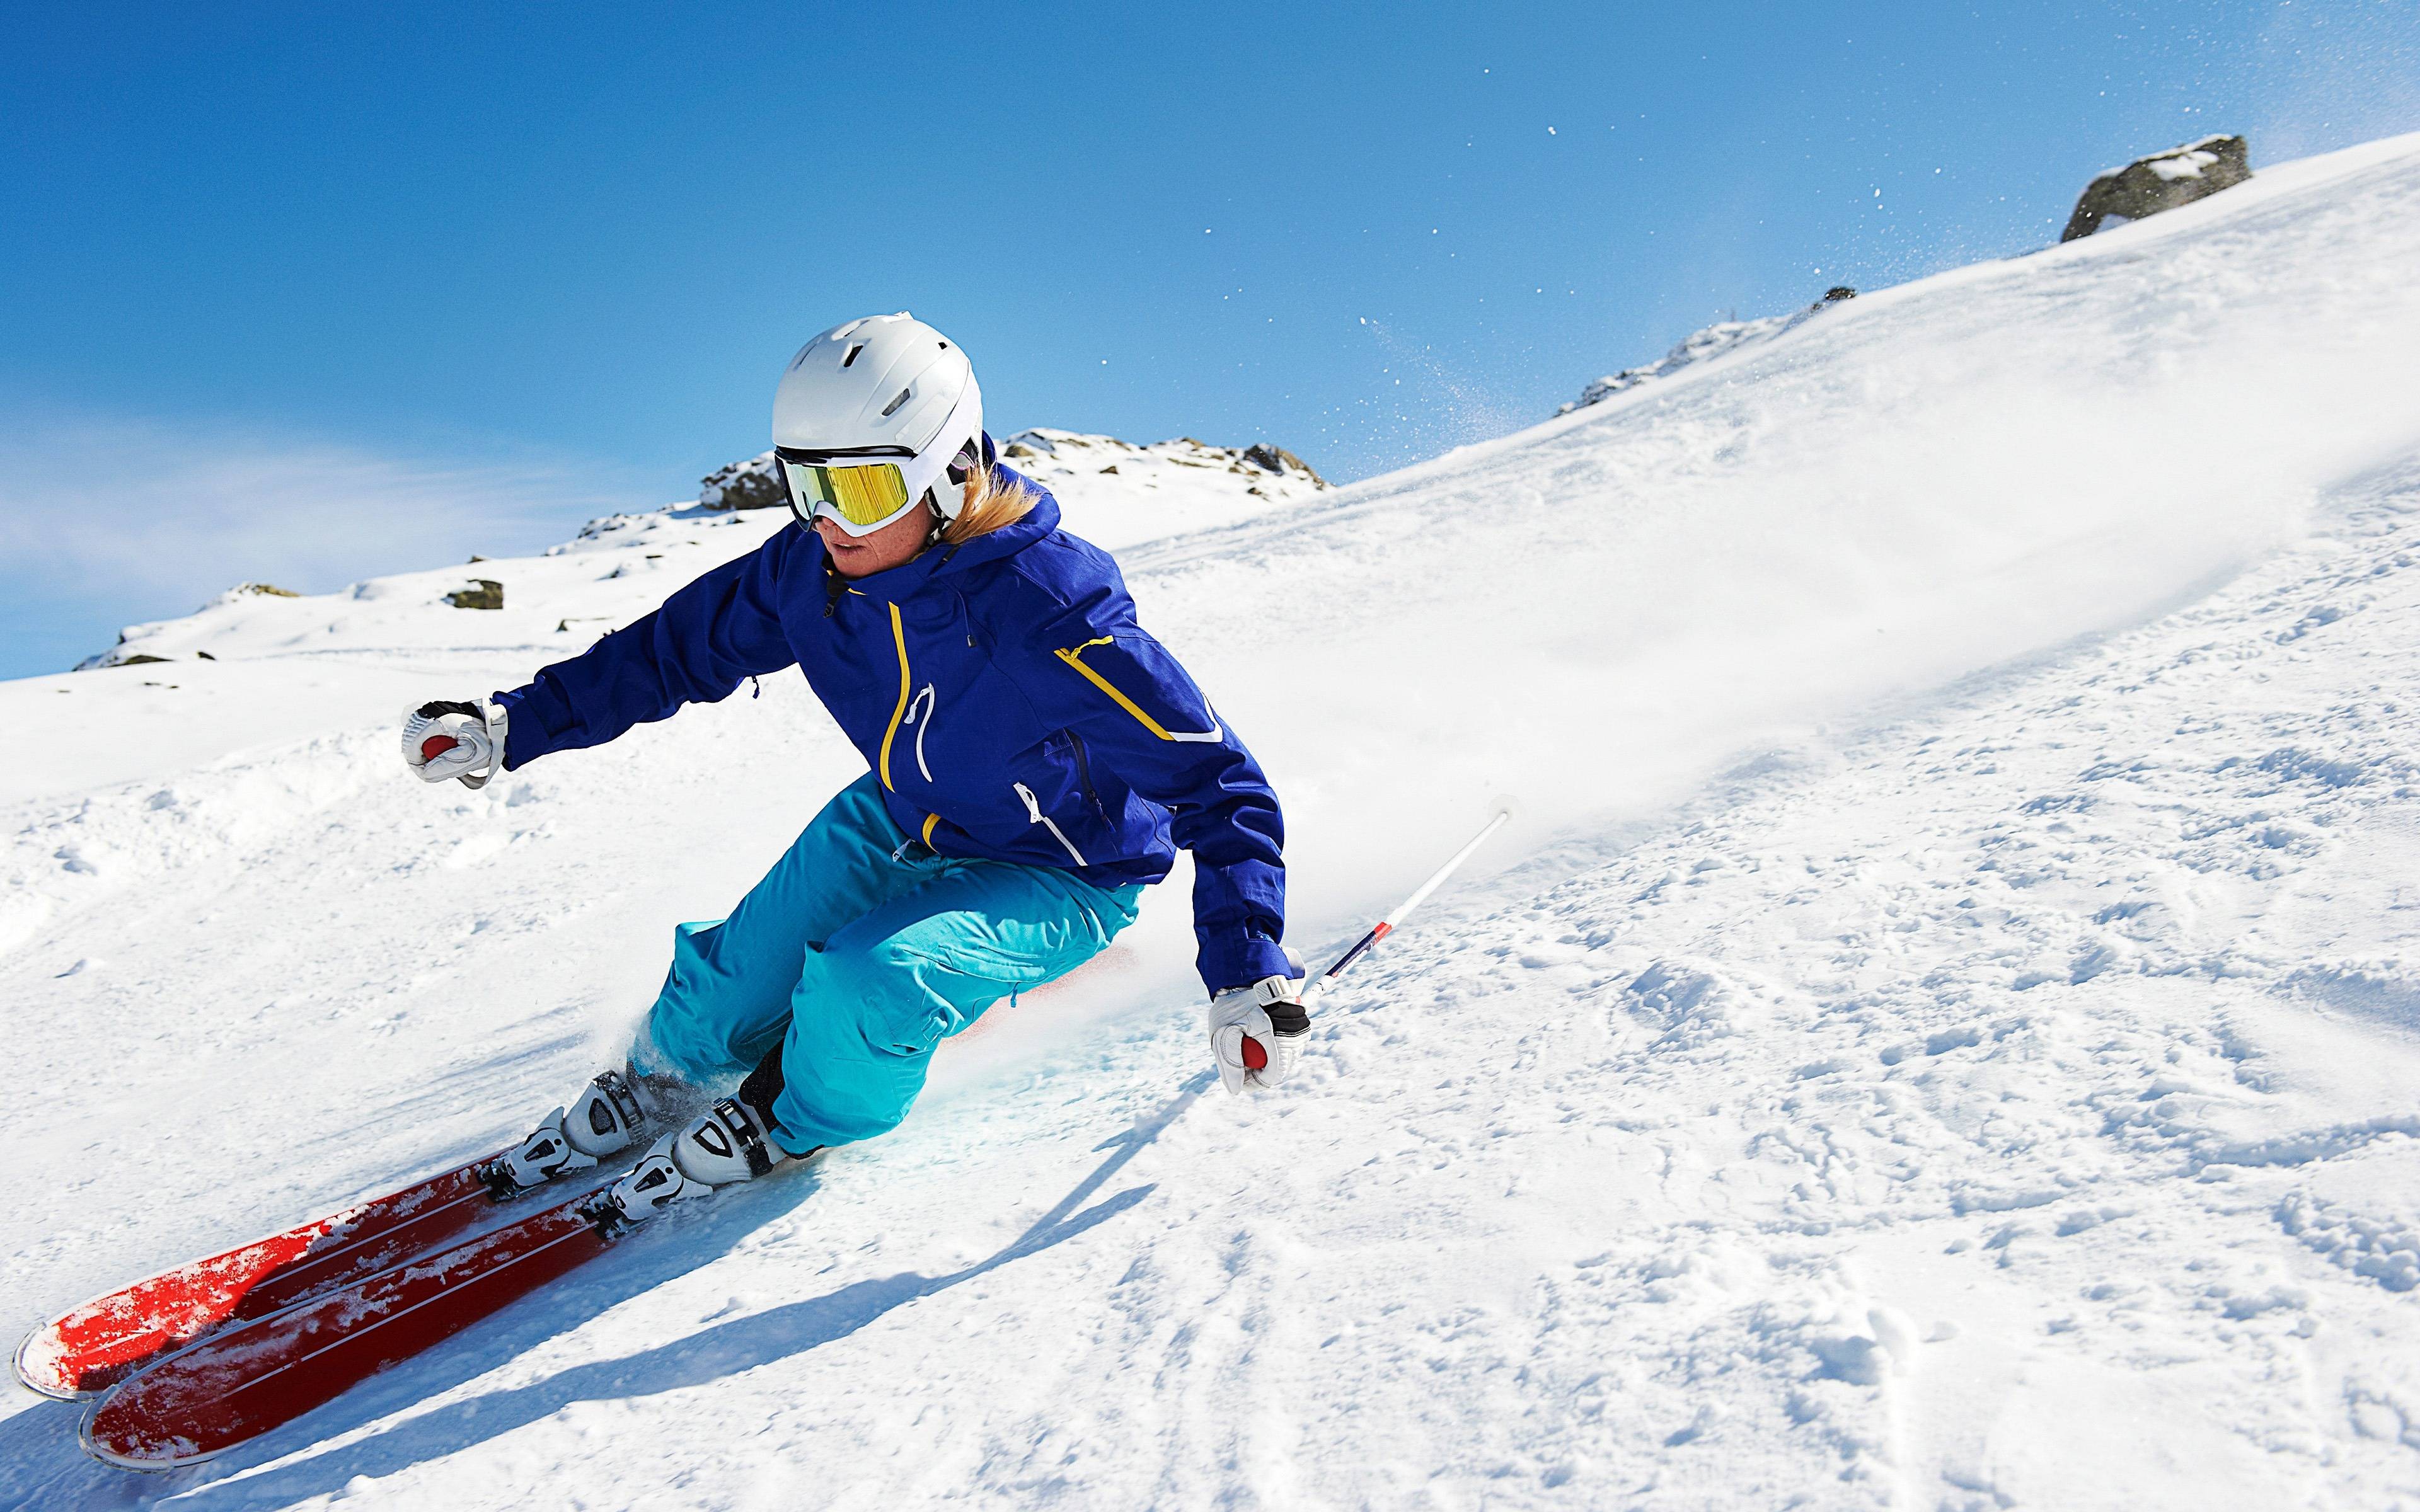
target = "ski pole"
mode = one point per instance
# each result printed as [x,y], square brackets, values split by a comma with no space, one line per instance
[1386,926]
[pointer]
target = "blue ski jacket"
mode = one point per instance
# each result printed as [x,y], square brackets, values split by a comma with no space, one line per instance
[1003,692]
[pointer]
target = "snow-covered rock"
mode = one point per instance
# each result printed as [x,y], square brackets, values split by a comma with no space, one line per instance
[749,484]
[1719,340]
[2161,181]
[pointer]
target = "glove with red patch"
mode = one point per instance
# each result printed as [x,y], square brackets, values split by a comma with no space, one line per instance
[447,738]
[1256,1032]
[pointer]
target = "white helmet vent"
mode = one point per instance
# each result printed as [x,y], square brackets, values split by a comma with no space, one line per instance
[853,348]
[892,407]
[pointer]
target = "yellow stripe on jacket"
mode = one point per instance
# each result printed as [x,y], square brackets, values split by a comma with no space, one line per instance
[899,637]
[1070,656]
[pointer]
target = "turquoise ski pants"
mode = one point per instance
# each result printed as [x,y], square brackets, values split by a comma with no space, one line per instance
[857,954]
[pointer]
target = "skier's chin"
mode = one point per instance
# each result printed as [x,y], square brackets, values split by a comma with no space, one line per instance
[862,556]
[850,561]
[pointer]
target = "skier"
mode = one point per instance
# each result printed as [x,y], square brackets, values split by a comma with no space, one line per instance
[1035,759]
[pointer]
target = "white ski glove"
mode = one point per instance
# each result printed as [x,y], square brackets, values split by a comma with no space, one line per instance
[445,738]
[1256,1032]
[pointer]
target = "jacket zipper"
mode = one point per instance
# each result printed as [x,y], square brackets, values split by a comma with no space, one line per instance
[1034,810]
[920,707]
[1084,774]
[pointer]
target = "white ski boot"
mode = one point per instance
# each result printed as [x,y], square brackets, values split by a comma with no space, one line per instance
[609,1116]
[728,1144]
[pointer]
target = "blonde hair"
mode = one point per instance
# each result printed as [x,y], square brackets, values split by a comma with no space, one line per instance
[992,503]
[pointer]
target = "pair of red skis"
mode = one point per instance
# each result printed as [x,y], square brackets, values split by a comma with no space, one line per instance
[200,1359]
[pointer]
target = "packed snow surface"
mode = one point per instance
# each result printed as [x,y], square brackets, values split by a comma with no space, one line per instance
[1943,1033]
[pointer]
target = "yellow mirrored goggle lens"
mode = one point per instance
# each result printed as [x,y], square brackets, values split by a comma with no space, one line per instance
[860,495]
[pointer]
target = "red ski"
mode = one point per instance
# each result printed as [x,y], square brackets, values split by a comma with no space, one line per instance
[94,1346]
[244,1379]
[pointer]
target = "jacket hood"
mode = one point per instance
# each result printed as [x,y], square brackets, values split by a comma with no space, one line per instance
[1039,522]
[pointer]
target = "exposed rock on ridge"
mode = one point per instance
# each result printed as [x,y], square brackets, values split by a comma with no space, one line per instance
[1268,471]
[2161,181]
[751,484]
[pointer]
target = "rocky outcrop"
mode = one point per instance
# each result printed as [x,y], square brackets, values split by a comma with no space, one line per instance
[2160,182]
[1260,463]
[1703,345]
[1278,460]
[749,485]
[488,594]
[118,656]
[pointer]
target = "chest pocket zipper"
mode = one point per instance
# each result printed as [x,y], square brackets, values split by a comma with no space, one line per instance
[1033,809]
[1084,774]
[920,707]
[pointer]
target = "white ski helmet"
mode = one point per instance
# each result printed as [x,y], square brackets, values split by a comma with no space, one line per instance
[871,416]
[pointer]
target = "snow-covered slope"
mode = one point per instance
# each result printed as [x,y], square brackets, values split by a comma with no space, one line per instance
[1703,345]
[1944,1035]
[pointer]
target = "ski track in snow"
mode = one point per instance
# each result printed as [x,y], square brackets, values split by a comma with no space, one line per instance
[2007,1102]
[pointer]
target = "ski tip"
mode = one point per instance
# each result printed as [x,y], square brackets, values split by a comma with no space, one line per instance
[36,1364]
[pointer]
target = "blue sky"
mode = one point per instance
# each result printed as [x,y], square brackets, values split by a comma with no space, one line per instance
[305,294]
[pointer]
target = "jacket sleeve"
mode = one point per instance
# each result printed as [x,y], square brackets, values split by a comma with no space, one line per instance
[696,648]
[1140,713]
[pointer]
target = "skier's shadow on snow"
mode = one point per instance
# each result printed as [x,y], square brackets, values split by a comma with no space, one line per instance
[723,1350]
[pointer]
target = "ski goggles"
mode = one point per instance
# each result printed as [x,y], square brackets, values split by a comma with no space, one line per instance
[863,493]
